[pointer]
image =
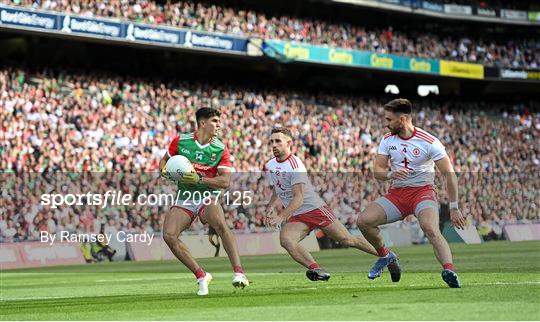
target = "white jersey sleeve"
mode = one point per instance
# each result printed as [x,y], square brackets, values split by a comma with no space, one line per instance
[299,174]
[437,150]
[383,147]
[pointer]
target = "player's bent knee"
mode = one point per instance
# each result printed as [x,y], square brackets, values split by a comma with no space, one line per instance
[432,233]
[286,243]
[363,221]
[347,241]
[221,228]
[170,238]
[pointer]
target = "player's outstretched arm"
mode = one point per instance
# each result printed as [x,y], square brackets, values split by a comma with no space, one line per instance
[445,167]
[381,167]
[221,181]
[381,170]
[272,202]
[297,201]
[270,212]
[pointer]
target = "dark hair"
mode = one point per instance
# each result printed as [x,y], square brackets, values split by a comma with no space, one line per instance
[399,105]
[282,129]
[204,113]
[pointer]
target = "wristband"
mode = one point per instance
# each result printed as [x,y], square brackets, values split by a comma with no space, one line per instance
[453,205]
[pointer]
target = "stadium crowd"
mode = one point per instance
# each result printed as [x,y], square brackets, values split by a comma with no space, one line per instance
[204,16]
[78,133]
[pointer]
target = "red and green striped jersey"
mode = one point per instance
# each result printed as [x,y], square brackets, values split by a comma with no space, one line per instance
[206,158]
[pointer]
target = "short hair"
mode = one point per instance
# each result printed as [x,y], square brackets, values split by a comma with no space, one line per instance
[284,130]
[399,105]
[204,113]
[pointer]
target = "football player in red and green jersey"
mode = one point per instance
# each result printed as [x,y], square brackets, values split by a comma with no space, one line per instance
[212,165]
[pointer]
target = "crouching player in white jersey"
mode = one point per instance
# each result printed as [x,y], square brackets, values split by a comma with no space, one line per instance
[413,154]
[304,209]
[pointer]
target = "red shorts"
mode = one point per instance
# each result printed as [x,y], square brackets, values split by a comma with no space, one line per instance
[316,218]
[407,200]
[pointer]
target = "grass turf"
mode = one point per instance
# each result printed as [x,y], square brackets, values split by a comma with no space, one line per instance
[501,281]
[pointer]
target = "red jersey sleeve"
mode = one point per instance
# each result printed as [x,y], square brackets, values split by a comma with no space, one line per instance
[225,159]
[173,147]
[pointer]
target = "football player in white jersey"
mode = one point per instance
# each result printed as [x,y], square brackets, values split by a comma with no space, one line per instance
[303,209]
[413,153]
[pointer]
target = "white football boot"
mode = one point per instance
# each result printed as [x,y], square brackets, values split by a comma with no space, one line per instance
[203,284]
[240,280]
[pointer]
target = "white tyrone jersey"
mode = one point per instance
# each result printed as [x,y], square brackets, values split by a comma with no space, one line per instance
[284,174]
[416,153]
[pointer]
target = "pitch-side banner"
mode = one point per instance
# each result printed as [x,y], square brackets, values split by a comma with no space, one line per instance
[519,232]
[119,30]
[355,58]
[200,247]
[36,254]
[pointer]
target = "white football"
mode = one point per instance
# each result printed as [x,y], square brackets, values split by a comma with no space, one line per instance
[177,166]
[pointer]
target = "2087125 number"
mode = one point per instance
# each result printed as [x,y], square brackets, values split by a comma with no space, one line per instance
[234,198]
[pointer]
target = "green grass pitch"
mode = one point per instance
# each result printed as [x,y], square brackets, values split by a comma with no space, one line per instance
[501,281]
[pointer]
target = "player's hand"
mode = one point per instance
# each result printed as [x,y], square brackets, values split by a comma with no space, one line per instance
[400,174]
[458,219]
[190,178]
[270,211]
[274,221]
[164,173]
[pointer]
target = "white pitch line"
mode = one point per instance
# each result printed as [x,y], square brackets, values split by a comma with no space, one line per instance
[294,289]
[507,283]
[65,297]
[486,284]
[41,298]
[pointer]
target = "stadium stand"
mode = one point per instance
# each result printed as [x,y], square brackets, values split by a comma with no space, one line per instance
[202,16]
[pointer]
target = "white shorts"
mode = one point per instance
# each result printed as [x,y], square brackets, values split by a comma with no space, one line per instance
[193,208]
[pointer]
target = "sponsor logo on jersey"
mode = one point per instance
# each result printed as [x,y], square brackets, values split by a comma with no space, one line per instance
[202,167]
[404,150]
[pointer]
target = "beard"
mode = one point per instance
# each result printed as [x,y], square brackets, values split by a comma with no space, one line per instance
[395,130]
